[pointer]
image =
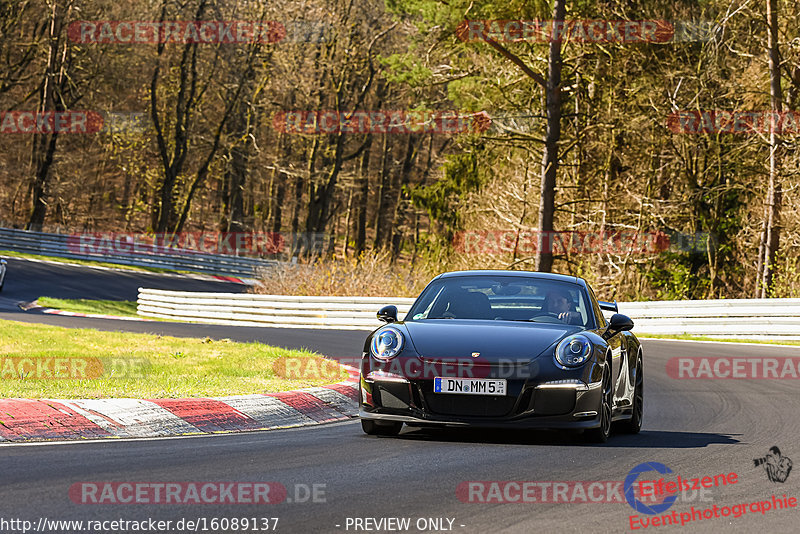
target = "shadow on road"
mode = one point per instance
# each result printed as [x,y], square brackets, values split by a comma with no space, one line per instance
[655,439]
[669,439]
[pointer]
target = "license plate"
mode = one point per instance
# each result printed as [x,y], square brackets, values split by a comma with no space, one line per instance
[469,386]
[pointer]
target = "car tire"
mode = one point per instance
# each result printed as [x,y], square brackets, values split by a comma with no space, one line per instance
[373,428]
[605,410]
[634,424]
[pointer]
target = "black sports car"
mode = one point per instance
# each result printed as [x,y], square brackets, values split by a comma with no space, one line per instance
[503,349]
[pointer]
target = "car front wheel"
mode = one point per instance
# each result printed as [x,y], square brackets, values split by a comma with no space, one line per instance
[634,425]
[601,434]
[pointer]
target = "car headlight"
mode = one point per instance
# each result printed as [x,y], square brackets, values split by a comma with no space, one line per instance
[573,351]
[387,343]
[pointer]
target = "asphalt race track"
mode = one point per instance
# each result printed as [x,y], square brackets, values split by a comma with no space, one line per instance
[26,281]
[695,427]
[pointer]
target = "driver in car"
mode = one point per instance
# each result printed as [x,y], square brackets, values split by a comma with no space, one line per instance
[558,304]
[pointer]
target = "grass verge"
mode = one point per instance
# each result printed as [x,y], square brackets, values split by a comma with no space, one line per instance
[121,308]
[141,365]
[687,337]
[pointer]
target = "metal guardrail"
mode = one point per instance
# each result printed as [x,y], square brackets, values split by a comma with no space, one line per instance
[752,319]
[341,313]
[734,318]
[57,245]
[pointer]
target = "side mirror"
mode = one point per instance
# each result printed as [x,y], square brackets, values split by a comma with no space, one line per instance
[618,323]
[388,314]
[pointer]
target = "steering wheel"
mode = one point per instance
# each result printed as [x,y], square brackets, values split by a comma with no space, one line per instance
[552,318]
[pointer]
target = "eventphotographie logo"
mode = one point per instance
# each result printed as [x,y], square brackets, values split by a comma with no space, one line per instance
[667,489]
[630,484]
[775,465]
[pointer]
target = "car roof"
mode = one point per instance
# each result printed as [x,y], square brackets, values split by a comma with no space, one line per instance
[520,274]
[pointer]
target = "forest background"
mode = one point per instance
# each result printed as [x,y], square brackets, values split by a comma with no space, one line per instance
[567,137]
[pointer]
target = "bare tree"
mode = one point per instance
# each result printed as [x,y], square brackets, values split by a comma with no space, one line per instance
[770,234]
[52,98]
[552,89]
[544,256]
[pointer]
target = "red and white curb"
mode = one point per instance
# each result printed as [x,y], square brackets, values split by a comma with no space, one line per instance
[63,419]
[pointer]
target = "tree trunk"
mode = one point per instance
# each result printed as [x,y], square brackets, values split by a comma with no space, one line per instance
[771,237]
[240,129]
[544,251]
[319,207]
[363,200]
[348,216]
[382,233]
[51,100]
[280,194]
[399,215]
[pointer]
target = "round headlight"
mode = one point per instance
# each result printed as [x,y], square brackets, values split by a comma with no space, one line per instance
[387,343]
[573,351]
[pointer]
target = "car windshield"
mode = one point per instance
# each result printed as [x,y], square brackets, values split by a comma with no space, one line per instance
[503,298]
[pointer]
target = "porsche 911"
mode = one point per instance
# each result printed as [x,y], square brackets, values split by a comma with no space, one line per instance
[509,349]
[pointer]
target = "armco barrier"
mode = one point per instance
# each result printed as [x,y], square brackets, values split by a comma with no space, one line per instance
[342,313]
[752,319]
[56,245]
[733,318]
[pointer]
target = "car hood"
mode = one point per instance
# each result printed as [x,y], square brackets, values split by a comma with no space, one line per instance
[496,341]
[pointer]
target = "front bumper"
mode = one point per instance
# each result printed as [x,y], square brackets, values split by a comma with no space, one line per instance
[556,404]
